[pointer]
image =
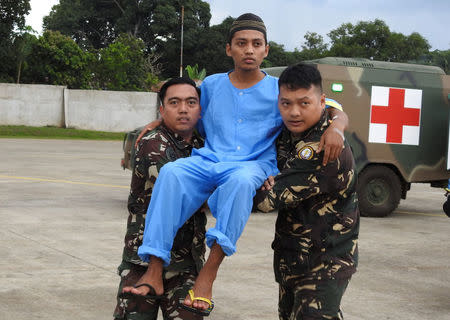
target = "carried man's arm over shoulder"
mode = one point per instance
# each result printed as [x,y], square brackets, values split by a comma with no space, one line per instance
[149,127]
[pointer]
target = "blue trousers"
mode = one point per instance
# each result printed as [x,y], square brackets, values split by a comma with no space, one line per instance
[184,185]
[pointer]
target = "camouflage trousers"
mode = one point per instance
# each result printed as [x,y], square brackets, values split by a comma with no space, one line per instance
[176,286]
[311,299]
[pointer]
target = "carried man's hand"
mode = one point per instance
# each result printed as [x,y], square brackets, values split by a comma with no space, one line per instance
[332,140]
[268,184]
[149,127]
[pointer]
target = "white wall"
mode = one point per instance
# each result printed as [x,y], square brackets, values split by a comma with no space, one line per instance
[41,105]
[113,111]
[31,105]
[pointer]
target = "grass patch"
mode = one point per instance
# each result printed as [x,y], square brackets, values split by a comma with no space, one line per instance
[50,132]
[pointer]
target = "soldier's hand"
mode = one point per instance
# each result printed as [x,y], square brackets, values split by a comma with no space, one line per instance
[332,143]
[152,125]
[268,184]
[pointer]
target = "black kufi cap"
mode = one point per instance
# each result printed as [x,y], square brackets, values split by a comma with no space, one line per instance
[248,21]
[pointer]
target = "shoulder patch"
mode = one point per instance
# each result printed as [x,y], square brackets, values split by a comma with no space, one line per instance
[307,150]
[306,153]
[170,154]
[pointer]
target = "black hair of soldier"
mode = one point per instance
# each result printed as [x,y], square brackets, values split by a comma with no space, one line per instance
[247,16]
[301,76]
[174,81]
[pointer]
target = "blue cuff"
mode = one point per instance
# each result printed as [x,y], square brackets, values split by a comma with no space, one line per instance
[145,252]
[214,235]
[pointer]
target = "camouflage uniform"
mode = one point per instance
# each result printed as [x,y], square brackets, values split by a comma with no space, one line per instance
[187,256]
[315,246]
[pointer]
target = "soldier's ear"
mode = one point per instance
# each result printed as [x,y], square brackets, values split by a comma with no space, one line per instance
[322,100]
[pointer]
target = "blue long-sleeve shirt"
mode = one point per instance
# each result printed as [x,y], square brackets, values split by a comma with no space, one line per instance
[239,124]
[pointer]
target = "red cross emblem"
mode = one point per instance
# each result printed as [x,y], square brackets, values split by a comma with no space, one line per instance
[395,115]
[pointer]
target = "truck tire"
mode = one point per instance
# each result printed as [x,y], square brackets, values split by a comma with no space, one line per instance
[379,191]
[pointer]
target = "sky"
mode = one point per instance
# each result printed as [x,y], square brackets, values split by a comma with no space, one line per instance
[287,21]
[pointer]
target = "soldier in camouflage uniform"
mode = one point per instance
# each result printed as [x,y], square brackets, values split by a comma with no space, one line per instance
[315,245]
[169,141]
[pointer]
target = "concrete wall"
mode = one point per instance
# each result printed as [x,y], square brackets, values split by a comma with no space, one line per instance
[113,111]
[42,105]
[31,105]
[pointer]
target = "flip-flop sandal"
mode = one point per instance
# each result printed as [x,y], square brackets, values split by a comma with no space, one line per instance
[204,313]
[150,295]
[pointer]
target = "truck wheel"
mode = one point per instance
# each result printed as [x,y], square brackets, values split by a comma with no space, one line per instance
[379,191]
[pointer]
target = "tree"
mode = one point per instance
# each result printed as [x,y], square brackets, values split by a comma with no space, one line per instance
[277,56]
[12,17]
[97,23]
[437,58]
[416,45]
[91,23]
[23,48]
[124,66]
[58,60]
[365,39]
[374,40]
[168,25]
[209,51]
[314,47]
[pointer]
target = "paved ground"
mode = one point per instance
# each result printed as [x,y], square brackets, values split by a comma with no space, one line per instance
[63,212]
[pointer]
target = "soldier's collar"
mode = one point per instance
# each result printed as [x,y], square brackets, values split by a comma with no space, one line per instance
[178,139]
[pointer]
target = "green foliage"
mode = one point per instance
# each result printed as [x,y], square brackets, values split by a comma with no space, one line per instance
[12,17]
[91,23]
[279,57]
[194,73]
[123,66]
[58,60]
[97,23]
[23,48]
[167,39]
[314,46]
[128,45]
[436,58]
[374,40]
[209,48]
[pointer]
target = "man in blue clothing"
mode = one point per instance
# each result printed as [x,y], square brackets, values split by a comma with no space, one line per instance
[240,121]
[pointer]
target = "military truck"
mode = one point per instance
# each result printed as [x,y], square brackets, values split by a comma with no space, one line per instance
[399,125]
[129,152]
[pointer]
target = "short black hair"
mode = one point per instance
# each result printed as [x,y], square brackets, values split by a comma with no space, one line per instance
[174,81]
[300,76]
[247,21]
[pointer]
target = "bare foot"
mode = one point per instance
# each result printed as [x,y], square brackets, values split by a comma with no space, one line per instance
[152,277]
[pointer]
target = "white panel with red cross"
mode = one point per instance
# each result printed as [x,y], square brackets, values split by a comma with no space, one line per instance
[395,115]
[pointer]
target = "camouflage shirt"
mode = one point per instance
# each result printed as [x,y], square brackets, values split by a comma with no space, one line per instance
[156,148]
[318,219]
